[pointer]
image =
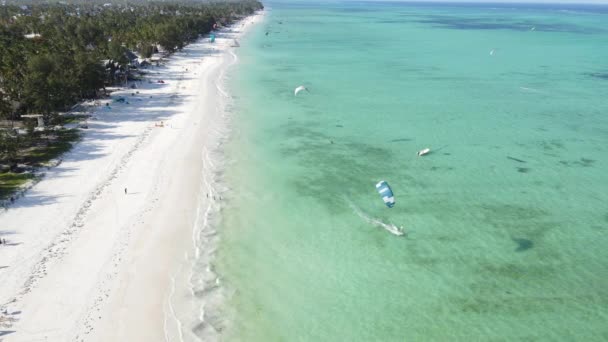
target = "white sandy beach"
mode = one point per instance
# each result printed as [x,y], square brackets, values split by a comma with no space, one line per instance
[87,262]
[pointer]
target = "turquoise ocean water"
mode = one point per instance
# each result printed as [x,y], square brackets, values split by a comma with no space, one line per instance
[507,218]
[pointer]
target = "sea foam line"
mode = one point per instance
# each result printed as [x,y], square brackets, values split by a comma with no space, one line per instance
[202,278]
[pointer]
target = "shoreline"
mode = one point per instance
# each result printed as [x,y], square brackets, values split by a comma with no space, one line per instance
[103,264]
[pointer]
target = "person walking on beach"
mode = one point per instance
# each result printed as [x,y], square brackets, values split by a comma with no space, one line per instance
[125,191]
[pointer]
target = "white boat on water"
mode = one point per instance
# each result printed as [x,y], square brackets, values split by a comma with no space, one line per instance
[423,152]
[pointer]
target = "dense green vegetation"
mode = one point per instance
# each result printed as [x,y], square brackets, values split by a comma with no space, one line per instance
[30,151]
[53,55]
[61,61]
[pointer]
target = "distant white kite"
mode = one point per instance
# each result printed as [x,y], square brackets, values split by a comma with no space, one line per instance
[492,52]
[299,89]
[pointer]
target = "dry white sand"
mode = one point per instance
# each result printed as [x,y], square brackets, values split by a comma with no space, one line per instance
[87,262]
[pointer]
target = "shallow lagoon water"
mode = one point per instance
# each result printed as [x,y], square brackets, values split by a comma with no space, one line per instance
[506,219]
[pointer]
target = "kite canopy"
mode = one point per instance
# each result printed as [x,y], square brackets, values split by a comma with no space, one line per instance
[299,89]
[386,193]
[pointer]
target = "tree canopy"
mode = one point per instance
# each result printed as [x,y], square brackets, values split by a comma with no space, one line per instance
[52,54]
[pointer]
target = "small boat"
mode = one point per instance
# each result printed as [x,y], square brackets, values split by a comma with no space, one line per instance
[423,152]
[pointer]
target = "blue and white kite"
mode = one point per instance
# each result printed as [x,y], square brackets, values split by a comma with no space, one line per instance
[387,194]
